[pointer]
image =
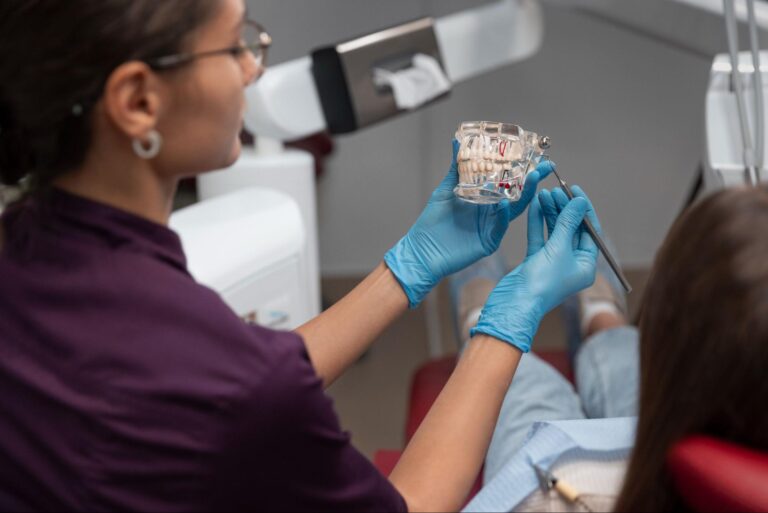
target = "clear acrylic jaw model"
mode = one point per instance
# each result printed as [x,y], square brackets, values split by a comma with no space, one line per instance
[494,159]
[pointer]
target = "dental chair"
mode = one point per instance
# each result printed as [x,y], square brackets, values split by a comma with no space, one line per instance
[710,474]
[426,385]
[715,475]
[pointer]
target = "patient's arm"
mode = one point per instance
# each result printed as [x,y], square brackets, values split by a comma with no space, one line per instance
[441,463]
[336,338]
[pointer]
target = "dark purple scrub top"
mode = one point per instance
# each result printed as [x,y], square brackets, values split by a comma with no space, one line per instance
[124,384]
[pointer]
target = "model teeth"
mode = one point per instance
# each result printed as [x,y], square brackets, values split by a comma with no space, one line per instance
[493,160]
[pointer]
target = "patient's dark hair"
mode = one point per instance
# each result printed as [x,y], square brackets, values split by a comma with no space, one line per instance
[55,58]
[704,341]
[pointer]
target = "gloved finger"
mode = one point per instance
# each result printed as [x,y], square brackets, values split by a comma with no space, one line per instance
[535,227]
[586,245]
[561,199]
[529,191]
[545,168]
[455,145]
[569,221]
[499,215]
[587,264]
[585,241]
[549,208]
[444,191]
[591,213]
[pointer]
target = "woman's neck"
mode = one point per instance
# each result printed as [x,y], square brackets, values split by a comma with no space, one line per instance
[134,188]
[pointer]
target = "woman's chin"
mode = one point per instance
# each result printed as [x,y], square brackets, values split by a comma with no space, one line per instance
[224,161]
[237,148]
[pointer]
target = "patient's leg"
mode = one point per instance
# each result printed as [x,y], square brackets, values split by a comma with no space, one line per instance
[606,363]
[538,392]
[607,373]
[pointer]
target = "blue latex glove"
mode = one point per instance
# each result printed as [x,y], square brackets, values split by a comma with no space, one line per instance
[551,271]
[451,234]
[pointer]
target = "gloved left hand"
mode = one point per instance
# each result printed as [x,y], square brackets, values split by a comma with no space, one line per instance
[551,271]
[451,234]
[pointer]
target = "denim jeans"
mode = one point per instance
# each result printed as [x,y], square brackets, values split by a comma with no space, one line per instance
[606,368]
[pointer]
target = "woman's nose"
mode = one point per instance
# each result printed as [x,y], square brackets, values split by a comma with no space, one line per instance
[252,70]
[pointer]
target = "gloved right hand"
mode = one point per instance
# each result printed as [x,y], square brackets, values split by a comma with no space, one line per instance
[551,271]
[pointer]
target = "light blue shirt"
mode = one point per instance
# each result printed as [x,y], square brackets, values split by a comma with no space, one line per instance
[545,444]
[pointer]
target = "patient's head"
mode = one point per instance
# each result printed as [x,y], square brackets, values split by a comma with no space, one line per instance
[704,339]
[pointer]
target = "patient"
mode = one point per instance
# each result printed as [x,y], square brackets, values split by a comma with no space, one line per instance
[703,355]
[704,343]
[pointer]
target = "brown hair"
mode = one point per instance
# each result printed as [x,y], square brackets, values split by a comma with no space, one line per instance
[704,341]
[56,58]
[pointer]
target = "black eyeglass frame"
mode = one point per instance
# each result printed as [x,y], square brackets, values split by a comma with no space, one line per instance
[258,48]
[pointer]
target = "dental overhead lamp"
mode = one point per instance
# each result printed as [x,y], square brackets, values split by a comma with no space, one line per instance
[343,88]
[258,248]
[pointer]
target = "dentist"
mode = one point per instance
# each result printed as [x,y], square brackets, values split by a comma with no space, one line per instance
[124,384]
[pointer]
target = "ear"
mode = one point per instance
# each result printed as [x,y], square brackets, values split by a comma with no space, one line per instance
[132,98]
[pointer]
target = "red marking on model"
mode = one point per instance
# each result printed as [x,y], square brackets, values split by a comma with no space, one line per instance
[502,147]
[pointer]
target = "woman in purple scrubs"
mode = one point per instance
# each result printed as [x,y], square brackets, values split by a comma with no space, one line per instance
[126,385]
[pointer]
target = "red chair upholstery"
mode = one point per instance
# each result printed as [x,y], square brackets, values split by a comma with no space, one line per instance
[385,460]
[426,385]
[429,379]
[713,475]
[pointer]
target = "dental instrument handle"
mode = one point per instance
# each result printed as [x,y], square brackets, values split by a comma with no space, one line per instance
[599,241]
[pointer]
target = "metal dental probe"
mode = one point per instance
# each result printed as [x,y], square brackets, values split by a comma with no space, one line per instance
[595,237]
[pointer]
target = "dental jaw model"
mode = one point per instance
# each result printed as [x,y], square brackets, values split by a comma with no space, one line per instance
[494,159]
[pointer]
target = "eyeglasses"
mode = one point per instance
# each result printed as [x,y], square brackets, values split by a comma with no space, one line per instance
[255,40]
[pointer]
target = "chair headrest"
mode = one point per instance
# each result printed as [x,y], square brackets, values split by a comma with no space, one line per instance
[714,475]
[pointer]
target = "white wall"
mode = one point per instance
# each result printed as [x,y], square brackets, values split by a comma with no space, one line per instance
[625,113]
